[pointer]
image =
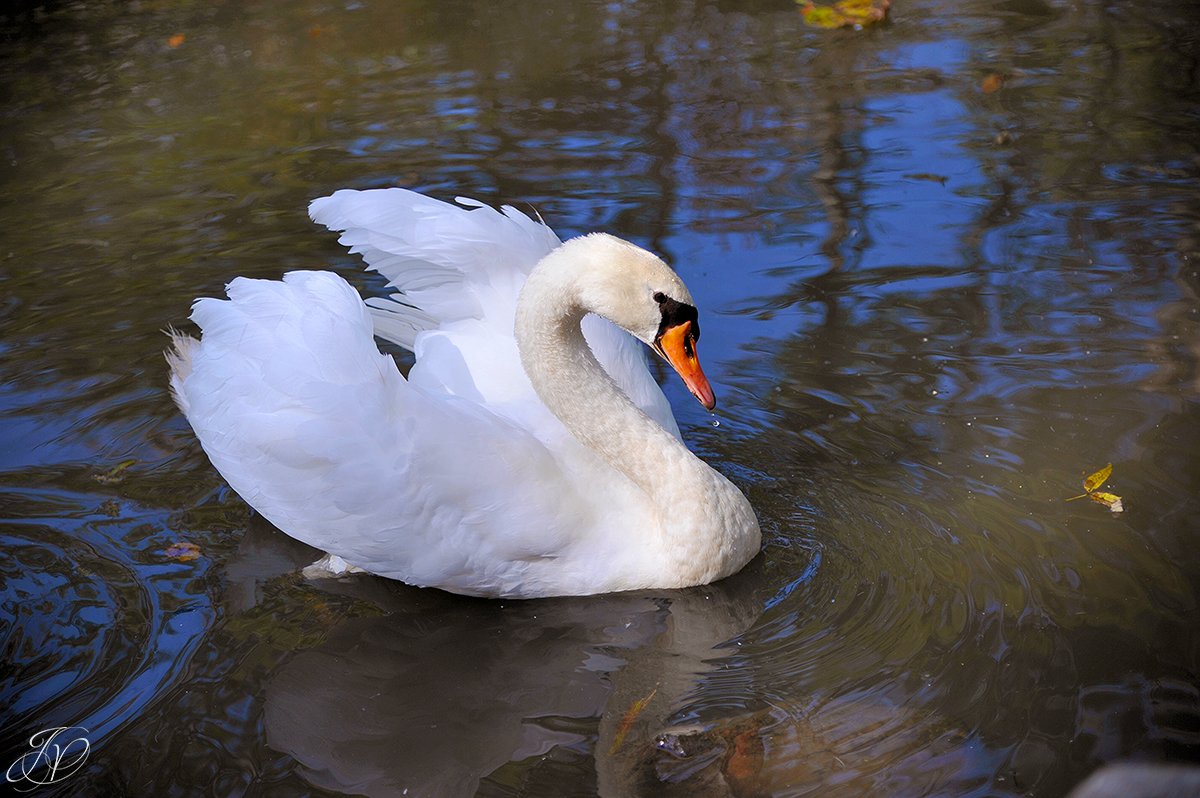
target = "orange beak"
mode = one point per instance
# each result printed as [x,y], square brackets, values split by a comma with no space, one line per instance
[678,346]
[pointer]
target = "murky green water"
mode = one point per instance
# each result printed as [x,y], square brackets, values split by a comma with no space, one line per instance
[929,309]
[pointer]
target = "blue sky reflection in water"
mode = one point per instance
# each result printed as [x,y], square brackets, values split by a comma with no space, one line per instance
[928,311]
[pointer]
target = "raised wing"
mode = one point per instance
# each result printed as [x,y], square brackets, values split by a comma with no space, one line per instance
[458,272]
[447,263]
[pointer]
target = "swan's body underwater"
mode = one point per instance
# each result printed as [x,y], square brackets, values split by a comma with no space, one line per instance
[528,453]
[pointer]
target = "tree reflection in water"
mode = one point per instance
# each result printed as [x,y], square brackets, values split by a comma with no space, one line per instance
[929,308]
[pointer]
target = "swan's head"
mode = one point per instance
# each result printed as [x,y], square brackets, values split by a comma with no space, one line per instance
[641,294]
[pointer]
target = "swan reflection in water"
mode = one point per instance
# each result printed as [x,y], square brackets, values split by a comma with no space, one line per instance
[621,694]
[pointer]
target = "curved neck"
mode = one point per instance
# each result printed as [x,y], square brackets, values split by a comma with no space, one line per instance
[707,529]
[577,389]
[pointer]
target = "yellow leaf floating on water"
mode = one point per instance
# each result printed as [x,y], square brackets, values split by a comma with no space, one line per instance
[183,551]
[821,16]
[1097,479]
[844,14]
[1092,483]
[628,718]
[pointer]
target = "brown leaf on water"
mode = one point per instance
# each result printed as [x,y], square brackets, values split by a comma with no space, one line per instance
[992,83]
[1110,500]
[176,40]
[1091,485]
[928,176]
[628,719]
[183,551]
[844,14]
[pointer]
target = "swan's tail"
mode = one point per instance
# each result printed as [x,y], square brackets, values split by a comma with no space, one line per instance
[288,394]
[179,361]
[318,431]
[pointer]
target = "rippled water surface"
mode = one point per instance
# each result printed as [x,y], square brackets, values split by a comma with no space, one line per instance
[946,268]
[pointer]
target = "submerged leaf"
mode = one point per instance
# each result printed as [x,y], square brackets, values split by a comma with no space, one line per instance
[992,83]
[930,176]
[114,474]
[628,718]
[745,760]
[183,551]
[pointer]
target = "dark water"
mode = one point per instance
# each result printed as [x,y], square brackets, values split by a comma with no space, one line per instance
[930,309]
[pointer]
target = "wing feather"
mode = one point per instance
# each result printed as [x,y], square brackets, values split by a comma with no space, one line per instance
[331,444]
[458,271]
[452,262]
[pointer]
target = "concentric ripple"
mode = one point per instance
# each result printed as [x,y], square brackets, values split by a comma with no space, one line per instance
[96,620]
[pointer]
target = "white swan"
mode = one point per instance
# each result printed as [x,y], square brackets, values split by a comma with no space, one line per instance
[529,453]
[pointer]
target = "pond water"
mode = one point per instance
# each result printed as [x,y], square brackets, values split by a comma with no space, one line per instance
[946,268]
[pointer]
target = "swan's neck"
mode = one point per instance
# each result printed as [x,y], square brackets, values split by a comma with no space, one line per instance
[577,389]
[707,529]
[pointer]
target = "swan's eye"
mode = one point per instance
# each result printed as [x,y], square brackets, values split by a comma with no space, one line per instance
[675,313]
